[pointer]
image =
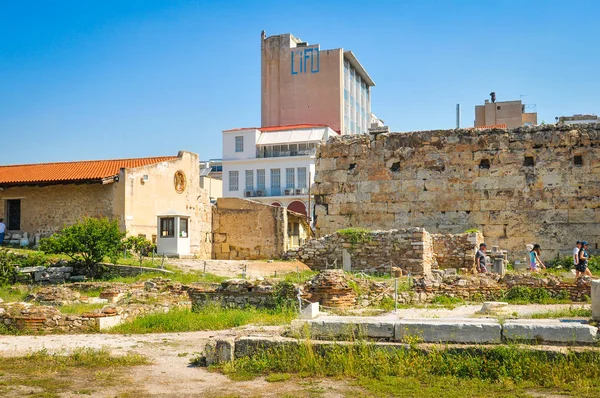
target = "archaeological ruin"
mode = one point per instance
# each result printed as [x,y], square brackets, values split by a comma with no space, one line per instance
[526,185]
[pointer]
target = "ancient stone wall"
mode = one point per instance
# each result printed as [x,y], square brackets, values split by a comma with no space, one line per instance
[410,249]
[247,230]
[235,293]
[455,250]
[520,186]
[45,210]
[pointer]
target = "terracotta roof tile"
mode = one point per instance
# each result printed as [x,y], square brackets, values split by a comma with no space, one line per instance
[87,170]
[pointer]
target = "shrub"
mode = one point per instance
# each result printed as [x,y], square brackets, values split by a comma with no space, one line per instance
[88,241]
[8,261]
[285,294]
[355,235]
[140,246]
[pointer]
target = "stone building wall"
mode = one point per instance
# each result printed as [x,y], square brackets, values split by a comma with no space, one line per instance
[247,230]
[410,249]
[47,209]
[520,186]
[456,251]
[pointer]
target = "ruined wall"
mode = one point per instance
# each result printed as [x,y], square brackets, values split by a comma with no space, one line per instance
[527,185]
[410,249]
[456,251]
[247,230]
[48,209]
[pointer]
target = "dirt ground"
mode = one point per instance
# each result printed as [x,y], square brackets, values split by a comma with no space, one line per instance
[171,374]
[234,268]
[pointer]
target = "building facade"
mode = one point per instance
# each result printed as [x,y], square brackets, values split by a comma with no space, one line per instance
[272,165]
[40,199]
[302,84]
[510,113]
[579,119]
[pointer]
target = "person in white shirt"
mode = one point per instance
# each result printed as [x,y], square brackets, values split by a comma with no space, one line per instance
[2,230]
[576,253]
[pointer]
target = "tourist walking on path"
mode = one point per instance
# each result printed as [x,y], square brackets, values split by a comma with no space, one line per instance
[2,230]
[576,253]
[480,259]
[582,265]
[534,259]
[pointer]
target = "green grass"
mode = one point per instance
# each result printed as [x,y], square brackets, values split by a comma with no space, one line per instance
[207,318]
[571,312]
[13,293]
[534,295]
[78,309]
[42,374]
[447,301]
[503,371]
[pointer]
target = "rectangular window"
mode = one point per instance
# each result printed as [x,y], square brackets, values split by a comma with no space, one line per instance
[239,144]
[275,182]
[289,178]
[260,179]
[167,227]
[301,177]
[13,214]
[234,183]
[183,227]
[249,180]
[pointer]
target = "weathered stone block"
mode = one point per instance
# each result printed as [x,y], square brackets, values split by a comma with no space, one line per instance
[596,300]
[449,331]
[552,331]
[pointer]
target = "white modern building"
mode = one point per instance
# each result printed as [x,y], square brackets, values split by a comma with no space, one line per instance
[273,165]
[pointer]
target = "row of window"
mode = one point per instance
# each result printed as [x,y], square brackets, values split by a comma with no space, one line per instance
[356,101]
[294,178]
[167,227]
[274,151]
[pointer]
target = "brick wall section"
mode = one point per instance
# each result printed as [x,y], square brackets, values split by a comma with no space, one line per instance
[456,251]
[411,249]
[247,230]
[234,293]
[454,180]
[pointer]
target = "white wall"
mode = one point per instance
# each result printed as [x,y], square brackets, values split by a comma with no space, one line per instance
[250,139]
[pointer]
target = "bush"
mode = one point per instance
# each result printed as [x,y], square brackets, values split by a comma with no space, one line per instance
[8,262]
[355,235]
[88,241]
[140,246]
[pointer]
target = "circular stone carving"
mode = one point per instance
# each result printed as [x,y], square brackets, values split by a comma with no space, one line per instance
[179,181]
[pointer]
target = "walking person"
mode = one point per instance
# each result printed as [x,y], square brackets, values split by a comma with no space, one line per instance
[534,259]
[2,230]
[576,254]
[582,265]
[480,259]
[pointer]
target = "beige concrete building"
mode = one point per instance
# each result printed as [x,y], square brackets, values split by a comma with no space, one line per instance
[42,198]
[579,119]
[302,84]
[509,113]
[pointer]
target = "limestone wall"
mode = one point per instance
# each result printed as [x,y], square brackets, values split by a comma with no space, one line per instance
[520,186]
[47,209]
[144,198]
[247,230]
[456,251]
[410,249]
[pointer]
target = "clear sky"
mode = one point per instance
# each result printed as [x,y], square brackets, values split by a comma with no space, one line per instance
[99,79]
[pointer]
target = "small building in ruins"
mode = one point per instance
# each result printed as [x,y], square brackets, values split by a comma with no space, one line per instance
[39,199]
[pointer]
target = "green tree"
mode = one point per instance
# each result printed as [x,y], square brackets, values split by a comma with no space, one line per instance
[140,245]
[88,241]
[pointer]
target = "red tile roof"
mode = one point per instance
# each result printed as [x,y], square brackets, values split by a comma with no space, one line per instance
[280,128]
[87,170]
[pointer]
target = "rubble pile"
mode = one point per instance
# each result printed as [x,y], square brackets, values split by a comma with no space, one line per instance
[331,289]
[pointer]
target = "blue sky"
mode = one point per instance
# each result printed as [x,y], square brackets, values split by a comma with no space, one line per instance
[114,78]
